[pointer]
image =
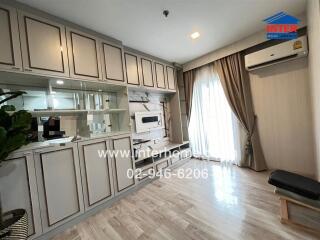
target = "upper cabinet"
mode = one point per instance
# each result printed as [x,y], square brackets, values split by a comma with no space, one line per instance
[83,50]
[132,69]
[39,46]
[10,56]
[112,63]
[170,78]
[160,75]
[147,72]
[43,46]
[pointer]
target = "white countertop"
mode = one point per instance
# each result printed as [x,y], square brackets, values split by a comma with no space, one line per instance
[59,141]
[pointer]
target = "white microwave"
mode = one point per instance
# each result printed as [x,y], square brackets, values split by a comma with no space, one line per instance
[148,121]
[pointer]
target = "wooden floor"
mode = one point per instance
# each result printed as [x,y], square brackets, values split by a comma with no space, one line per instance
[233,203]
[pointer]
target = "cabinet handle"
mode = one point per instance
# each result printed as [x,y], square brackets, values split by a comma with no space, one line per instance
[28,70]
[15,68]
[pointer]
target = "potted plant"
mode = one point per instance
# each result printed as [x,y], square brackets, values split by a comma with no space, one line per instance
[14,129]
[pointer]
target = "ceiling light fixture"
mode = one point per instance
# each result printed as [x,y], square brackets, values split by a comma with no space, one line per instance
[165,13]
[195,35]
[60,82]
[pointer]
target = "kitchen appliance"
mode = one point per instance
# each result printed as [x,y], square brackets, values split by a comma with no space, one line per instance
[51,128]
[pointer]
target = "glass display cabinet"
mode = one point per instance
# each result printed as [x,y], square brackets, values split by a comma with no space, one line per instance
[78,108]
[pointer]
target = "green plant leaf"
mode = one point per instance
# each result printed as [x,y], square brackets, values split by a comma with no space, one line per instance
[21,119]
[13,95]
[5,119]
[8,108]
[14,129]
[3,137]
[13,142]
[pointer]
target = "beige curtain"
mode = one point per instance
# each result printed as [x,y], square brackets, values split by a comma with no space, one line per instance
[188,78]
[235,82]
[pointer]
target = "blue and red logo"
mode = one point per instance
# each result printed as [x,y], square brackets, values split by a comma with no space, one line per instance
[282,26]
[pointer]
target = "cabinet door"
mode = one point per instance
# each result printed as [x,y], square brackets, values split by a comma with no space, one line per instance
[147,72]
[170,78]
[160,77]
[10,55]
[122,162]
[112,63]
[43,44]
[18,189]
[59,185]
[96,172]
[83,50]
[132,69]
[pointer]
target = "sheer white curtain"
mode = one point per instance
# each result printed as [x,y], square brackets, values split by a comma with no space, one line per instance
[213,129]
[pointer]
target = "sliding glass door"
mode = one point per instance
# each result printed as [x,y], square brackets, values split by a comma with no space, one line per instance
[213,128]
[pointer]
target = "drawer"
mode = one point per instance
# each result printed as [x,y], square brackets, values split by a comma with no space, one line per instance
[175,158]
[186,153]
[162,165]
[145,174]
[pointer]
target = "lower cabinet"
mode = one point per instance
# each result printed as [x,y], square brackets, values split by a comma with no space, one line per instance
[96,172]
[18,189]
[123,162]
[175,158]
[186,153]
[162,165]
[59,184]
[146,173]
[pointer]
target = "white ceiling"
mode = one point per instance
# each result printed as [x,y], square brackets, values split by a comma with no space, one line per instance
[140,24]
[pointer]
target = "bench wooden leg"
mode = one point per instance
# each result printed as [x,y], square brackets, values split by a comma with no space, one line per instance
[284,210]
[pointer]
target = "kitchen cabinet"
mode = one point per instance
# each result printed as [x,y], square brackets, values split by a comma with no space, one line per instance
[43,45]
[160,76]
[112,58]
[18,189]
[170,78]
[10,55]
[84,55]
[132,69]
[122,163]
[59,184]
[96,172]
[147,72]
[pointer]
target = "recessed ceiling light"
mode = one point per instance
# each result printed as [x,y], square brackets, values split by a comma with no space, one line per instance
[195,35]
[60,82]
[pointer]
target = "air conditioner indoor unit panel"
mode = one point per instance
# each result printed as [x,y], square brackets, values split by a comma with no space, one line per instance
[279,53]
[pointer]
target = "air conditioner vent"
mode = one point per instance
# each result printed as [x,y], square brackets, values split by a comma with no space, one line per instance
[283,59]
[282,52]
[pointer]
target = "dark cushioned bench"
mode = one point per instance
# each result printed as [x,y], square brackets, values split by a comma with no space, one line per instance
[299,198]
[295,183]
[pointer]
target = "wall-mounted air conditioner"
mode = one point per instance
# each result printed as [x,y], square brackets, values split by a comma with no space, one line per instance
[282,52]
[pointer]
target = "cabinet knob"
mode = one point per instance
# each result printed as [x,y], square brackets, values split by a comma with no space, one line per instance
[15,68]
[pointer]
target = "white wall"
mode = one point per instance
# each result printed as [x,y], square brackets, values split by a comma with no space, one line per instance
[237,46]
[281,98]
[313,19]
